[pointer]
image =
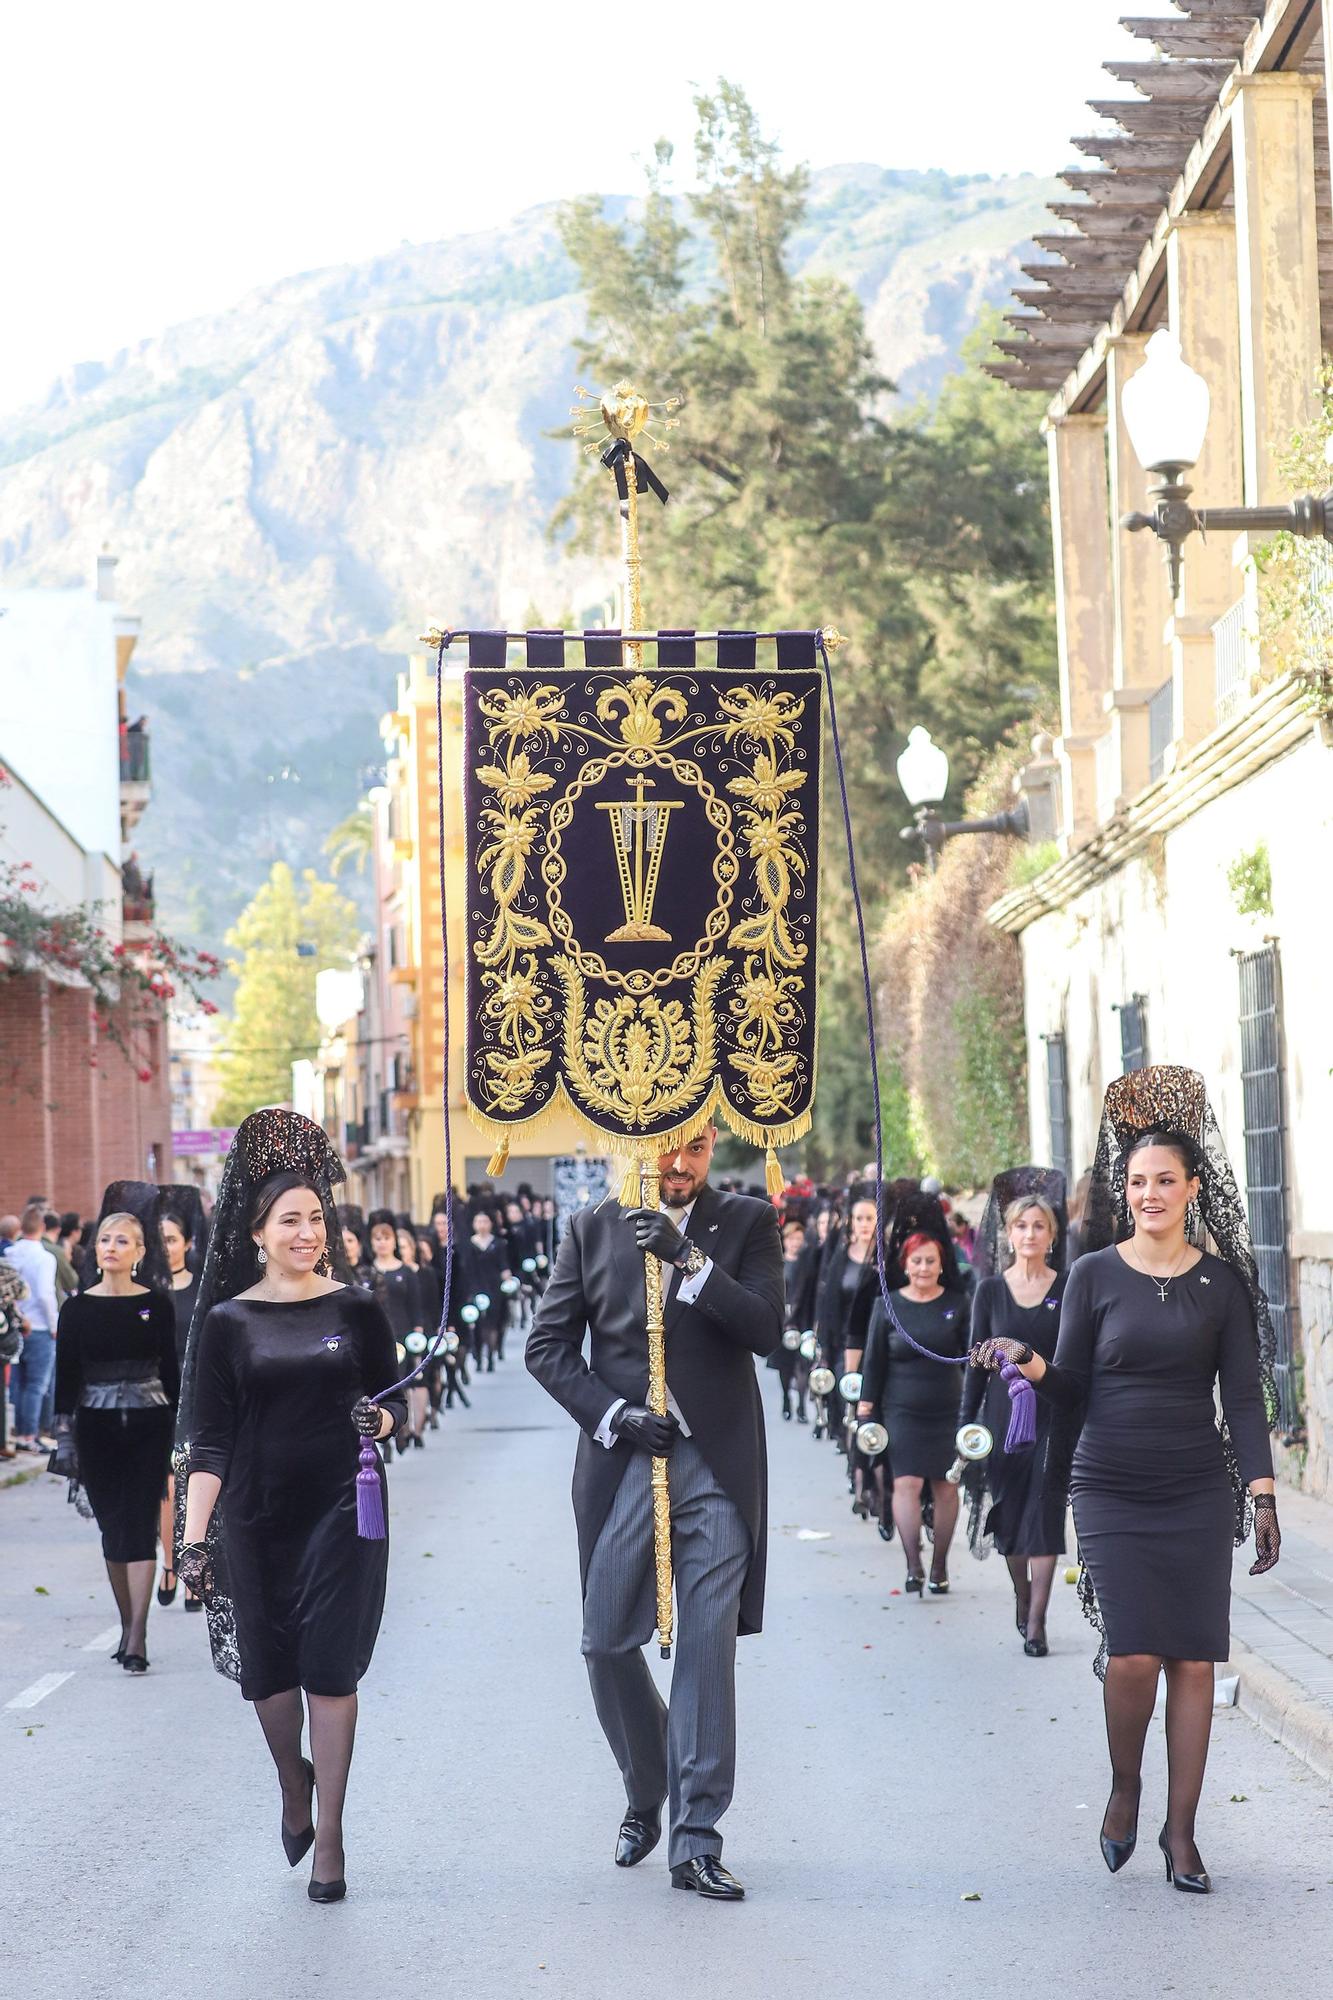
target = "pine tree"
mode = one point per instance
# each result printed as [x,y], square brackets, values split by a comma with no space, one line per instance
[797,501]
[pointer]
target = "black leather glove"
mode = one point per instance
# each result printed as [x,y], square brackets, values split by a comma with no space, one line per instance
[655,1231]
[644,1430]
[1267,1534]
[367,1417]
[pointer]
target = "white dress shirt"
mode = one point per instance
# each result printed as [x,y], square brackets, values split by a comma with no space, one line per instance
[687,1291]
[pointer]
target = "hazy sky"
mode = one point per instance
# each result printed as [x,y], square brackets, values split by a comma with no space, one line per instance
[159,160]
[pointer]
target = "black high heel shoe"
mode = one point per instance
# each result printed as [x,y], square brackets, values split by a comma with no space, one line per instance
[916,1584]
[938,1586]
[1115,1853]
[135,1663]
[296,1845]
[1190,1885]
[1036,1649]
[327,1892]
[165,1596]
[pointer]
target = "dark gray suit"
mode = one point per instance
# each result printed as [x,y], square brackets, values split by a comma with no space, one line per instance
[718,1490]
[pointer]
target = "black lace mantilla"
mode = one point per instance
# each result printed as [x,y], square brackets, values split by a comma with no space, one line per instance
[268,1142]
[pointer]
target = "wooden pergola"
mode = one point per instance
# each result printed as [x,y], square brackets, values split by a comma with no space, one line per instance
[1163,150]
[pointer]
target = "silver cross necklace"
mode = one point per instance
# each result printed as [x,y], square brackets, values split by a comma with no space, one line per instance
[1161,1283]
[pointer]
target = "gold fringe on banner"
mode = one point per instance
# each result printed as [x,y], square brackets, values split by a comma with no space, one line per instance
[631,1188]
[714,1110]
[774,1178]
[498,1161]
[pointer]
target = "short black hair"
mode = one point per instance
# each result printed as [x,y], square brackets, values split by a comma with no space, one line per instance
[381,1218]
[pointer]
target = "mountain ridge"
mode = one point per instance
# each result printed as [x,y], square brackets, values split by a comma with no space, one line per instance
[296,485]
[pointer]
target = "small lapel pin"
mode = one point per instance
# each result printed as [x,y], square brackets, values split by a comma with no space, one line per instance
[332,1342]
[712,1229]
[1205,1281]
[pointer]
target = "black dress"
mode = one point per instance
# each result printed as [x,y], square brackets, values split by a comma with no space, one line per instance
[275,1385]
[117,1377]
[1028,1490]
[1153,1503]
[847,1290]
[916,1399]
[182,1305]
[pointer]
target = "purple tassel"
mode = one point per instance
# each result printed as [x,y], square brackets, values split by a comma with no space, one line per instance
[369,1495]
[1022,1433]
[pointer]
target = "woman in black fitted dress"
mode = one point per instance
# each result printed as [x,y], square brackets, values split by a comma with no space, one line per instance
[1149,1326]
[288,1370]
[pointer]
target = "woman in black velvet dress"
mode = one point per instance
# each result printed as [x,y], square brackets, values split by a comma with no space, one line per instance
[1148,1327]
[1027,1489]
[916,1400]
[279,1398]
[117,1384]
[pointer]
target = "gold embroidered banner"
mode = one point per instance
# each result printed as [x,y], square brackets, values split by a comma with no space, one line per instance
[642,887]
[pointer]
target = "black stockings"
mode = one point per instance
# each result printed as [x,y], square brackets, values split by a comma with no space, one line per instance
[132,1588]
[332,1734]
[1033,1577]
[907,1520]
[1131,1690]
[1189,1723]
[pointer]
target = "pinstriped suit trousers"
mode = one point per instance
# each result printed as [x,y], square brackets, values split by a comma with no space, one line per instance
[685,1754]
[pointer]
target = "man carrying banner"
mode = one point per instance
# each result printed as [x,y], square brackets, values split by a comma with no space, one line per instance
[641,819]
[722,1280]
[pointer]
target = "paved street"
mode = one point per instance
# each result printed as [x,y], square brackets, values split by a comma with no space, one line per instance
[896,1758]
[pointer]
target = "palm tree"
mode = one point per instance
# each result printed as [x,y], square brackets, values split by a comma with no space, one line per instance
[352,840]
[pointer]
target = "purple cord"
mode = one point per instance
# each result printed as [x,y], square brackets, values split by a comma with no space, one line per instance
[1022,1395]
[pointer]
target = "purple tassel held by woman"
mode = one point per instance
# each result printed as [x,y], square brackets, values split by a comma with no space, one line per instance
[289,1379]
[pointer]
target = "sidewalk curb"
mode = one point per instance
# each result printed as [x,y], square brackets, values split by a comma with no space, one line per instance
[1283,1710]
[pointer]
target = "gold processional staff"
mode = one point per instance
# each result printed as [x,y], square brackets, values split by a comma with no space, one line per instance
[625,413]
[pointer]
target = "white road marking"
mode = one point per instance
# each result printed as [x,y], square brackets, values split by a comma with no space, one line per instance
[103,1640]
[40,1690]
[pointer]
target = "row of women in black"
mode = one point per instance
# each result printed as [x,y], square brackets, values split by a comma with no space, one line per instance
[1125,1351]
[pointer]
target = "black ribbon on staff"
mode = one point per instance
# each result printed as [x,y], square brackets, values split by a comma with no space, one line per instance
[617,456]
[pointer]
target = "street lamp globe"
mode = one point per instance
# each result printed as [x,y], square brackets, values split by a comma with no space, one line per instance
[1165,407]
[923,770]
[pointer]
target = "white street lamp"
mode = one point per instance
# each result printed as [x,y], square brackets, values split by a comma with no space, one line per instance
[923,773]
[1165,407]
[923,770]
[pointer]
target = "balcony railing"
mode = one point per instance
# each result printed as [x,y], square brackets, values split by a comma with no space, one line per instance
[1231,662]
[1161,728]
[135,762]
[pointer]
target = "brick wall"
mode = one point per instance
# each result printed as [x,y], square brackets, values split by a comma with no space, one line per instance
[74,1112]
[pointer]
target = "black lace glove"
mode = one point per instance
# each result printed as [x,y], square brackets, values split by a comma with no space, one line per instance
[644,1430]
[1267,1534]
[195,1570]
[993,1354]
[655,1231]
[367,1417]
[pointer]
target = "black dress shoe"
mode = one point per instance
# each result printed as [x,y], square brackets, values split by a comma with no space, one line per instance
[705,1873]
[639,1835]
[327,1892]
[1036,1649]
